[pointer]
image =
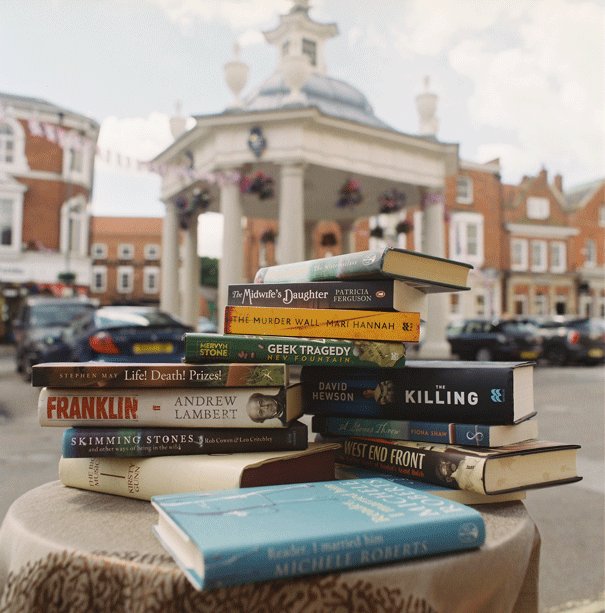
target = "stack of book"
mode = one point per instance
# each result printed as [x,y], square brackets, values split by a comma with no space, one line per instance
[140,430]
[462,430]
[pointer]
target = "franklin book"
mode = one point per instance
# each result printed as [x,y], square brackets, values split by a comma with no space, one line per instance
[143,442]
[236,407]
[143,478]
[372,295]
[203,348]
[496,470]
[489,393]
[115,375]
[427,273]
[473,435]
[401,326]
[281,532]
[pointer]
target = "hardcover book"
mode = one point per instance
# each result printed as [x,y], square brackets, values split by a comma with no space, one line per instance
[489,393]
[143,478]
[143,442]
[233,407]
[94,374]
[472,435]
[525,465]
[344,471]
[372,295]
[280,532]
[202,348]
[425,272]
[323,323]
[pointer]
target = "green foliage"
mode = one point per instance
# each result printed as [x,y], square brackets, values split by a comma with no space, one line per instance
[209,272]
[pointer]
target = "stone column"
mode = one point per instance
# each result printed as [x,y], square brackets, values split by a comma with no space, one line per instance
[190,305]
[435,345]
[169,295]
[232,261]
[291,237]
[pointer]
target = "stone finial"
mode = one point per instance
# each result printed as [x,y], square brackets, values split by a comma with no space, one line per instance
[426,104]
[178,123]
[236,76]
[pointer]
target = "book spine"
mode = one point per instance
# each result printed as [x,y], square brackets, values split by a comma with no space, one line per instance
[202,348]
[144,442]
[323,323]
[421,431]
[345,266]
[439,465]
[142,478]
[189,408]
[424,394]
[367,295]
[78,375]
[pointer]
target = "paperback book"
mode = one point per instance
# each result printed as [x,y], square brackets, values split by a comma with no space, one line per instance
[472,435]
[489,393]
[425,272]
[143,478]
[281,532]
[230,407]
[103,375]
[203,348]
[324,323]
[525,465]
[369,295]
[143,442]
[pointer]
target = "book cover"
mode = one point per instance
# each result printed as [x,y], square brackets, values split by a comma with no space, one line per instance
[143,478]
[103,375]
[369,295]
[143,442]
[489,393]
[472,435]
[422,271]
[202,348]
[344,471]
[323,323]
[525,465]
[281,532]
[233,407]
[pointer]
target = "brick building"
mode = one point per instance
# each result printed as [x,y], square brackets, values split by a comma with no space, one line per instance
[46,171]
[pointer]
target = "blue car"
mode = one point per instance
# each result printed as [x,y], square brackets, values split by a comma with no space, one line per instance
[125,334]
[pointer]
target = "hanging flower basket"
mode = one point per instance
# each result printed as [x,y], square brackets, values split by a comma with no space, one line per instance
[258,183]
[404,227]
[349,194]
[391,201]
[328,239]
[268,236]
[377,232]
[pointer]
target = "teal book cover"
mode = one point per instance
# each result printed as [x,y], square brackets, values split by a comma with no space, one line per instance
[277,532]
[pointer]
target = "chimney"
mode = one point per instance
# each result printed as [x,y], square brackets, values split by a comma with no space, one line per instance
[544,175]
[559,182]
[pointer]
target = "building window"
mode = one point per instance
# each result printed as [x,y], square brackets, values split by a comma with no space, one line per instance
[151,279]
[309,48]
[6,222]
[74,226]
[602,215]
[538,208]
[590,253]
[560,304]
[538,256]
[520,304]
[125,251]
[77,157]
[125,279]
[466,238]
[12,145]
[480,303]
[99,251]
[152,251]
[558,256]
[518,254]
[464,190]
[99,279]
[540,304]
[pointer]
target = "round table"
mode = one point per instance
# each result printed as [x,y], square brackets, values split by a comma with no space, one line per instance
[64,549]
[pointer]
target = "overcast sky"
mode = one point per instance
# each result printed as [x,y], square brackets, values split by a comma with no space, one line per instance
[522,80]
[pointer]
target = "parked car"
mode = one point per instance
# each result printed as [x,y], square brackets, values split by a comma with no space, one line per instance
[125,334]
[39,327]
[573,341]
[494,339]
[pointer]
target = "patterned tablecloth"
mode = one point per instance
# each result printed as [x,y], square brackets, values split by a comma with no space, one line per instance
[64,549]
